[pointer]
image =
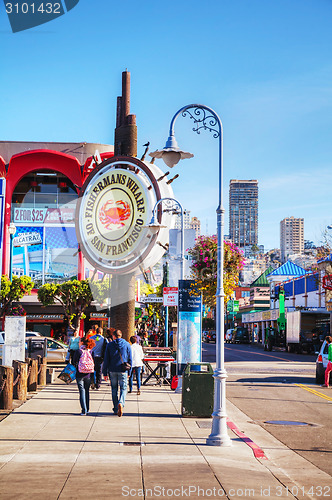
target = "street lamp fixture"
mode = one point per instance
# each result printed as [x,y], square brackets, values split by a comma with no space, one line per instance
[154,225]
[171,153]
[205,118]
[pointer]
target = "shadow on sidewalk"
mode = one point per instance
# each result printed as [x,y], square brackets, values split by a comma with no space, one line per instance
[98,414]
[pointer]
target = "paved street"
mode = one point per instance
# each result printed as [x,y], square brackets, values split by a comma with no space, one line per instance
[278,386]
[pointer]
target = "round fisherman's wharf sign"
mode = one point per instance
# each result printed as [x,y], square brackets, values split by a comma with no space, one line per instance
[113,210]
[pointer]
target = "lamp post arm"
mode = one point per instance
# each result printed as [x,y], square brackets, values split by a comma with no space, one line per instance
[154,213]
[207,119]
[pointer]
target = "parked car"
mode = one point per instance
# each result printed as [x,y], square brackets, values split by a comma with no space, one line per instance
[210,336]
[229,335]
[240,336]
[33,334]
[321,363]
[56,351]
[204,334]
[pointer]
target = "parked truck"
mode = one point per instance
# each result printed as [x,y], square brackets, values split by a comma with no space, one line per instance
[298,332]
[306,330]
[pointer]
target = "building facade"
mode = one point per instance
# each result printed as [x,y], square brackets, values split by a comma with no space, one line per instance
[196,225]
[186,219]
[42,184]
[243,212]
[291,237]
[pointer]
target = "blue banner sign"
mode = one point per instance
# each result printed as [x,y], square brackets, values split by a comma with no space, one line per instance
[188,301]
[190,325]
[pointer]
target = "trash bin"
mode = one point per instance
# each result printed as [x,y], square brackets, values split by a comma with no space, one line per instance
[197,390]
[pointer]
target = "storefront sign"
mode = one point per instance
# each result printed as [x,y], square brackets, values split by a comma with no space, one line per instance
[170,295]
[98,316]
[260,293]
[47,318]
[23,239]
[44,215]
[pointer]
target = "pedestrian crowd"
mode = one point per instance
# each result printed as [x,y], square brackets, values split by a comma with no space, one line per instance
[111,357]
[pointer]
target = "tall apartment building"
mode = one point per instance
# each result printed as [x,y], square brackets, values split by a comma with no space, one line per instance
[291,237]
[243,212]
[196,224]
[186,220]
[193,223]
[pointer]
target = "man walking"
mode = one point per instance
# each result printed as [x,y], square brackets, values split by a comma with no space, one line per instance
[98,353]
[117,353]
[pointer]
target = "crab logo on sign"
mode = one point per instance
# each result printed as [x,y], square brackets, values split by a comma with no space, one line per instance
[114,213]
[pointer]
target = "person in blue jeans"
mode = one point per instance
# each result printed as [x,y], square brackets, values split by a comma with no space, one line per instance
[137,356]
[83,380]
[117,353]
[98,353]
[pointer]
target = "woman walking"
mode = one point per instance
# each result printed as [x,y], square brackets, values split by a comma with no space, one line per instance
[137,355]
[74,344]
[84,364]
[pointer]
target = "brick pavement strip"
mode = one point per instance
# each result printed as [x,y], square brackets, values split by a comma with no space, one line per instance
[48,449]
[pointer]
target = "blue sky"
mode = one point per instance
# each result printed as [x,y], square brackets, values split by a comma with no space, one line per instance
[265,66]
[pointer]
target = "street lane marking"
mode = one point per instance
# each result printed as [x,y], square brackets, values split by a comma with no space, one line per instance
[271,356]
[264,354]
[258,452]
[313,391]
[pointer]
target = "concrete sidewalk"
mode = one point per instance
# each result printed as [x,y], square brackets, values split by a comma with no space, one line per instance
[48,450]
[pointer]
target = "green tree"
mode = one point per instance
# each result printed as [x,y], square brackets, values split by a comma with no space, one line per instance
[154,309]
[74,296]
[204,268]
[13,291]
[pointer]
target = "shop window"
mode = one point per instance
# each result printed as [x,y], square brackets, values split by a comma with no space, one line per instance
[43,210]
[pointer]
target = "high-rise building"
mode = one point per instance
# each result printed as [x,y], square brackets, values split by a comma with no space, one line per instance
[196,224]
[243,212]
[291,237]
[193,223]
[186,219]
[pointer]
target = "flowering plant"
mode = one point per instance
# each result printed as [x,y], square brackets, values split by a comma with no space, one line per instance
[204,268]
[17,311]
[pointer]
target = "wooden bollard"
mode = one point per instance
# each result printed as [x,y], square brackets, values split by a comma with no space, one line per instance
[42,366]
[6,387]
[32,375]
[21,386]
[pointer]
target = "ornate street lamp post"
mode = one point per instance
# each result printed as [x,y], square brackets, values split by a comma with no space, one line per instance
[154,226]
[206,119]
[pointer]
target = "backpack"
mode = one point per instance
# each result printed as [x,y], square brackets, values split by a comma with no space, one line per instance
[86,363]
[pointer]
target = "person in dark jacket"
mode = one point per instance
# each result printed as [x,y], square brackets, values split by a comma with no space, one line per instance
[112,368]
[83,379]
[98,353]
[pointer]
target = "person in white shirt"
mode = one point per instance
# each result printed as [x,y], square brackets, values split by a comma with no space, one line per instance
[137,355]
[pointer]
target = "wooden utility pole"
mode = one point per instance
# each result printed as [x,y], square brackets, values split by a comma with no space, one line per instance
[125,144]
